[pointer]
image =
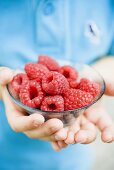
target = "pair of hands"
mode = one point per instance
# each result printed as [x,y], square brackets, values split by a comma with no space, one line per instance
[34,126]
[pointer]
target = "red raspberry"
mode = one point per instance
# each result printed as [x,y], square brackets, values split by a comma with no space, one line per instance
[31,94]
[54,83]
[69,72]
[35,71]
[49,62]
[18,81]
[53,103]
[73,84]
[75,98]
[90,87]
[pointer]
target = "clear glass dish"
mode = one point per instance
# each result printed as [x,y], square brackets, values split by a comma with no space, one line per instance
[68,117]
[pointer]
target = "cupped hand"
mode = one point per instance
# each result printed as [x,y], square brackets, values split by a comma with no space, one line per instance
[34,125]
[81,131]
[95,116]
[84,129]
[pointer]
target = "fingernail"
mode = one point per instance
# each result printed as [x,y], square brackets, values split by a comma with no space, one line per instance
[66,141]
[57,137]
[81,139]
[54,129]
[109,137]
[36,123]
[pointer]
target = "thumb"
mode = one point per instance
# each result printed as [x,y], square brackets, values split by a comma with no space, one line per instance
[105,67]
[6,75]
[109,88]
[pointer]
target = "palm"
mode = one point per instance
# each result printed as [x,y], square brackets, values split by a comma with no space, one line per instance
[84,129]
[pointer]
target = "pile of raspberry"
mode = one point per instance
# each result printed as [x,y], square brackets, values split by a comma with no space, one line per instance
[47,86]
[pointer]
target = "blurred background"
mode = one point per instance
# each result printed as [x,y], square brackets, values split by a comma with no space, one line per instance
[104,152]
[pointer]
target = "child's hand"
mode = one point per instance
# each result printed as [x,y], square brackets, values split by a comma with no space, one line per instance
[83,130]
[33,126]
[96,114]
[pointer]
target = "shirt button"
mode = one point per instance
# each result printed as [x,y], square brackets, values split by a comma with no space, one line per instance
[49,8]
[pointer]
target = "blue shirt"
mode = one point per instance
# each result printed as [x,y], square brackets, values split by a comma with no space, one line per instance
[76,30]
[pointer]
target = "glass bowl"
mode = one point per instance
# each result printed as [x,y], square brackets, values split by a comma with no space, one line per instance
[68,117]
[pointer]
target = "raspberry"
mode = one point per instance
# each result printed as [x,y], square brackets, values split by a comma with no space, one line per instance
[35,71]
[69,72]
[75,98]
[53,103]
[49,62]
[31,94]
[90,87]
[18,81]
[54,83]
[73,84]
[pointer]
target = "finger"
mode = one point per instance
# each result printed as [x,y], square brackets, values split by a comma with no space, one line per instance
[61,134]
[6,75]
[9,106]
[25,123]
[107,135]
[101,119]
[87,134]
[46,138]
[46,129]
[13,114]
[94,113]
[62,144]
[72,130]
[109,81]
[109,87]
[16,119]
[54,137]
[55,146]
[70,139]
[85,137]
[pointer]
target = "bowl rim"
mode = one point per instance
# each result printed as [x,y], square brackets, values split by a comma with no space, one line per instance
[33,110]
